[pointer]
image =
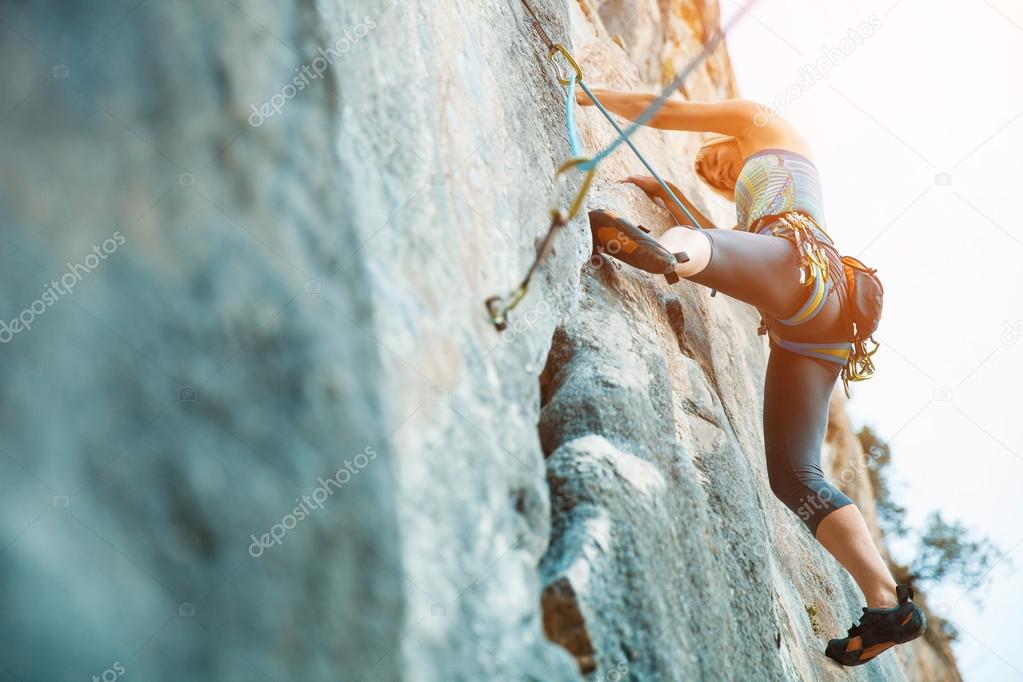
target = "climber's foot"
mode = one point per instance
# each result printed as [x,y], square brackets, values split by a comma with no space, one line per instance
[618,237]
[879,630]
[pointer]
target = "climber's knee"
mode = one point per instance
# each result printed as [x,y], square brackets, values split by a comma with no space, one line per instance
[808,495]
[788,491]
[695,243]
[779,487]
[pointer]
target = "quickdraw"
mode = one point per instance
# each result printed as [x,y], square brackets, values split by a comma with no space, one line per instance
[498,307]
[861,363]
[804,231]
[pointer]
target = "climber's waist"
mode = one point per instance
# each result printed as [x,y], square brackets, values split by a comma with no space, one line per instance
[788,224]
[833,352]
[818,255]
[818,262]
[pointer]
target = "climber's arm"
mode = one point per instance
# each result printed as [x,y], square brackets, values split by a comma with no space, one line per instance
[733,117]
[654,190]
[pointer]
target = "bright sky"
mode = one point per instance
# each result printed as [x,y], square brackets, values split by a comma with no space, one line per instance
[917,132]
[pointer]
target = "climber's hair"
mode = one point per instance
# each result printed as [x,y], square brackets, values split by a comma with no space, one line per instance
[698,165]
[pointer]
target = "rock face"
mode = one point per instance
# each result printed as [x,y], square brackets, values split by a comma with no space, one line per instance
[257,423]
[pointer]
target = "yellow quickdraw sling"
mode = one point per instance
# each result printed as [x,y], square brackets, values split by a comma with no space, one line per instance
[856,355]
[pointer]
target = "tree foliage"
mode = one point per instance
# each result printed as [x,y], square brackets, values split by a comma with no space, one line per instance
[946,551]
[891,515]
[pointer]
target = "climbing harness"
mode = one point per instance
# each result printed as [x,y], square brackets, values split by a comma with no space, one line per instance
[801,229]
[832,352]
[863,304]
[865,295]
[498,307]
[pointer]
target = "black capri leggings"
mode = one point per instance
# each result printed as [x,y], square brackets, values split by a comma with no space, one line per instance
[763,270]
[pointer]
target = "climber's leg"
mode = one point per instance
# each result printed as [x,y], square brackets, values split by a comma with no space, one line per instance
[797,391]
[615,236]
[844,534]
[758,269]
[694,243]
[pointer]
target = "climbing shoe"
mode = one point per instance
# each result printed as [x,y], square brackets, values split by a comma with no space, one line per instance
[879,630]
[617,237]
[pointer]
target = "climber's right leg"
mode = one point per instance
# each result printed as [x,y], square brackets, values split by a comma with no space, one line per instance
[797,392]
[696,244]
[630,244]
[757,269]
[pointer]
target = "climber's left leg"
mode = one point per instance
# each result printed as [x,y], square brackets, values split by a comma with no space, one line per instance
[844,534]
[797,392]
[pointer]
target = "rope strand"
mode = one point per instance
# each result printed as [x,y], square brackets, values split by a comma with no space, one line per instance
[499,307]
[618,128]
[674,85]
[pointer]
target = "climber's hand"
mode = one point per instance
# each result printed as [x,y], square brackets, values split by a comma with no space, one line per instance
[582,98]
[647,183]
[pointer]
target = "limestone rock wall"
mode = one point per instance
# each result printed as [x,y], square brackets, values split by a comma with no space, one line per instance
[265,429]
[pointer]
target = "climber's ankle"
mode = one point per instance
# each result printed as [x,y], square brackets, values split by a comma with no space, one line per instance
[883,598]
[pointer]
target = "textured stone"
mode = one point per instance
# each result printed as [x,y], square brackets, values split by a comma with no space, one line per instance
[301,286]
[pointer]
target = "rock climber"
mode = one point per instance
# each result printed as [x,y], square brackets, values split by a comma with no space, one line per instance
[780,259]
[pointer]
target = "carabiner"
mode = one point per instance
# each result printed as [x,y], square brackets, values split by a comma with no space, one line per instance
[498,307]
[577,202]
[558,47]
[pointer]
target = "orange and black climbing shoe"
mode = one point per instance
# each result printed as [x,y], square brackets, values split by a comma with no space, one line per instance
[617,237]
[879,630]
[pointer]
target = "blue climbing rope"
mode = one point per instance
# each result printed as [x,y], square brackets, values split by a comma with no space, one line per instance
[499,307]
[573,135]
[621,133]
[674,85]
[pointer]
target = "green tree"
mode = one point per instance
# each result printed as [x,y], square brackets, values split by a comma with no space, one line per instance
[947,550]
[891,516]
